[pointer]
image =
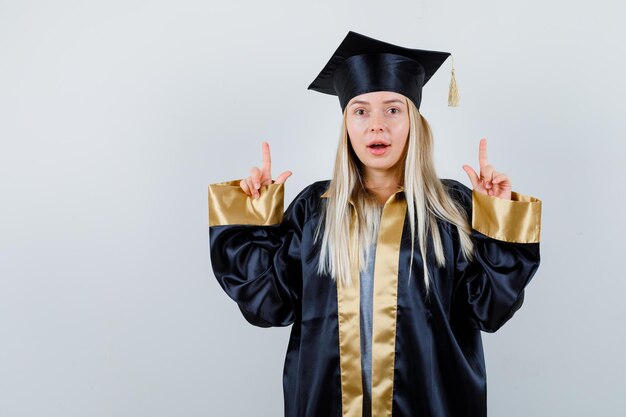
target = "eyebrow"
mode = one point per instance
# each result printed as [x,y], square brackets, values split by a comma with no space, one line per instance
[395,100]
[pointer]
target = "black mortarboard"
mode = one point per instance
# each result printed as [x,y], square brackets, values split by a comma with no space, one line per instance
[362,64]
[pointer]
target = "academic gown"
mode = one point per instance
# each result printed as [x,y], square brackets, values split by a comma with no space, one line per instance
[427,354]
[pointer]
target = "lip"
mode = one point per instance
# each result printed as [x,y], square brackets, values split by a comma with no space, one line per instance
[377,151]
[375,141]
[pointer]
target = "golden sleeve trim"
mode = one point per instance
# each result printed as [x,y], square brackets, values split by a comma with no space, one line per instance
[229,205]
[517,220]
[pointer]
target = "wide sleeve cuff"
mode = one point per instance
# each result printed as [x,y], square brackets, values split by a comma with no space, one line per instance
[230,205]
[517,220]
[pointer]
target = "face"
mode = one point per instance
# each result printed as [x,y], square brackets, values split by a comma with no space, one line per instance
[378,128]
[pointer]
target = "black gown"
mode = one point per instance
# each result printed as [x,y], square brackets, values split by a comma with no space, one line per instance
[427,354]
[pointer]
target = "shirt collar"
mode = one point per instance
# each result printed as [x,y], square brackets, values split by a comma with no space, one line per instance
[326,195]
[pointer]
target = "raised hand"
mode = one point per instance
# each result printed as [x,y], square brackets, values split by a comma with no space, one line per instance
[263,176]
[490,182]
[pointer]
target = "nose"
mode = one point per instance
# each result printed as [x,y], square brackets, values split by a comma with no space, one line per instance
[376,122]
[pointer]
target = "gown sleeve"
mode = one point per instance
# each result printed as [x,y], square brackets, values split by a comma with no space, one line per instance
[255,250]
[506,235]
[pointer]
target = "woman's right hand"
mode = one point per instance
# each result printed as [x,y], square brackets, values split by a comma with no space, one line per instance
[263,176]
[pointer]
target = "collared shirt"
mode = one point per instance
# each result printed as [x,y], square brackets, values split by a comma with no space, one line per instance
[367,295]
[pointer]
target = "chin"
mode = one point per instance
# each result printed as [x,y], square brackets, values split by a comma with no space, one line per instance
[385,166]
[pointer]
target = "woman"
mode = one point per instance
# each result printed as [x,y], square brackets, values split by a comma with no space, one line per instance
[378,331]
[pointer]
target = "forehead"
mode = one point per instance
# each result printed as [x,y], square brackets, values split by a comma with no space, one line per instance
[377,97]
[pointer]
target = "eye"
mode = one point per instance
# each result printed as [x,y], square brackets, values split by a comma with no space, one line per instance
[359,110]
[394,110]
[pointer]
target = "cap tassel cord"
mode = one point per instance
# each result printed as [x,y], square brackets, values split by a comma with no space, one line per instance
[453,92]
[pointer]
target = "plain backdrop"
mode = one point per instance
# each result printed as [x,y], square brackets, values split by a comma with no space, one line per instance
[116,115]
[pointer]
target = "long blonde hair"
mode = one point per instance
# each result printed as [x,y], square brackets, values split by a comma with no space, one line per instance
[425,196]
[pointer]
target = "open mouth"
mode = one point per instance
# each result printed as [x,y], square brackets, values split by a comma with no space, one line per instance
[378,148]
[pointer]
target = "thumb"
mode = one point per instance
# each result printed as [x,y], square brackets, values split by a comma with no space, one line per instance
[282,177]
[473,177]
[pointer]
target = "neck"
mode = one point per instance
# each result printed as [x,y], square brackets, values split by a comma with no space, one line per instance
[382,184]
[380,180]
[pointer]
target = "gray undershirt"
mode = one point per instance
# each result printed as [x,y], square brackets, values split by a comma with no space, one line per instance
[367,294]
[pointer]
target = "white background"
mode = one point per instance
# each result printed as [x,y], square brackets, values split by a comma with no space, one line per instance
[116,115]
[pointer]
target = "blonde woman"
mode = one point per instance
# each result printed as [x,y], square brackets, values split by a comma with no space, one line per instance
[386,273]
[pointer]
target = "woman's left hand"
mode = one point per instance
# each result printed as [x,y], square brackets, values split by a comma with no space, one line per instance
[490,181]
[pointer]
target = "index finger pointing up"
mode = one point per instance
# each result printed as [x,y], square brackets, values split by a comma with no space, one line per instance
[267,161]
[482,153]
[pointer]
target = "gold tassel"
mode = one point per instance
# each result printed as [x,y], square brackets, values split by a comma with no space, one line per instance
[453,92]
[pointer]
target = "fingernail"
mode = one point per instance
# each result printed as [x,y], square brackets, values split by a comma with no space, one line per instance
[256,184]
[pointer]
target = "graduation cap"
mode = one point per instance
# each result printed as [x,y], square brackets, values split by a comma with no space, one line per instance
[362,64]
